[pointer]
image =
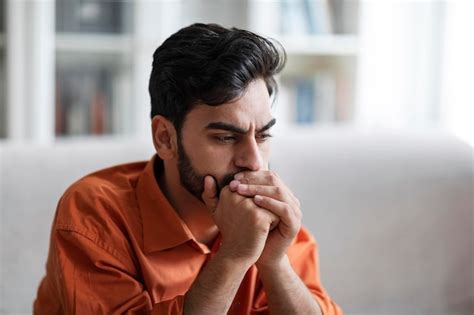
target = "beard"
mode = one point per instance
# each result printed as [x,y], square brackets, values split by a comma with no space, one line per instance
[191,180]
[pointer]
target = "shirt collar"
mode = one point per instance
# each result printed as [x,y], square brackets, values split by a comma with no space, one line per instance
[162,227]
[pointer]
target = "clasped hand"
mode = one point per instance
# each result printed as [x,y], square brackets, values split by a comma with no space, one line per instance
[257,215]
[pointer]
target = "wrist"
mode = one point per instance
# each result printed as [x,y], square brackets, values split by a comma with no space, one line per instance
[232,260]
[276,266]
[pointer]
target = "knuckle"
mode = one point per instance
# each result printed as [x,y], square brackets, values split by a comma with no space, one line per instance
[298,203]
[269,177]
[245,180]
[278,191]
[253,189]
[262,223]
[287,210]
[256,218]
[272,177]
[299,215]
[248,203]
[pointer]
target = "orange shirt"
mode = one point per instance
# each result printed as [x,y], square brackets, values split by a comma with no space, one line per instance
[117,246]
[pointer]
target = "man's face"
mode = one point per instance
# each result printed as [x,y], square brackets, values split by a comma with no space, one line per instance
[223,140]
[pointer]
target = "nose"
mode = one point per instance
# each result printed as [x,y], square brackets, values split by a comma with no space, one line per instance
[249,155]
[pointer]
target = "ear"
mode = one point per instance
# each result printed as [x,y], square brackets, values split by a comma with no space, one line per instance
[164,137]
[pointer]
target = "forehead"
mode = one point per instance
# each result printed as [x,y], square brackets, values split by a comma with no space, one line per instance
[252,110]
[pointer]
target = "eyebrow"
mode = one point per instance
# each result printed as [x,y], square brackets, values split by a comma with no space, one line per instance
[229,127]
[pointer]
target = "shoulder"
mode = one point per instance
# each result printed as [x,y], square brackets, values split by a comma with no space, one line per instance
[100,200]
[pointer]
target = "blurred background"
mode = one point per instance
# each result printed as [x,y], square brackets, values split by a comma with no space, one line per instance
[367,83]
[80,68]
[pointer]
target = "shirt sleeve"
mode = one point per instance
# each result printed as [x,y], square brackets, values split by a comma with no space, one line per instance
[93,279]
[303,256]
[305,261]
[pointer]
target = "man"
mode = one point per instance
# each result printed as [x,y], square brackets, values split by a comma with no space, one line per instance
[204,227]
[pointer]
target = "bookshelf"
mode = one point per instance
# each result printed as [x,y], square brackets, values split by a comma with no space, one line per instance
[320,45]
[102,52]
[93,46]
[94,43]
[317,86]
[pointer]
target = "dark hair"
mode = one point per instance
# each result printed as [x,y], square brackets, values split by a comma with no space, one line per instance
[210,64]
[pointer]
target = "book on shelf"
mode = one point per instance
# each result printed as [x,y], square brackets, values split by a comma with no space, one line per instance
[93,16]
[312,100]
[318,16]
[325,99]
[3,100]
[344,98]
[344,14]
[305,97]
[2,15]
[305,17]
[83,101]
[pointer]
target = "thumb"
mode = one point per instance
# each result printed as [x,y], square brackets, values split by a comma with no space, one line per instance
[209,195]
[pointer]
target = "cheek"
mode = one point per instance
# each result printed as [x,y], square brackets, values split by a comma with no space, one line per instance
[220,158]
[212,160]
[265,152]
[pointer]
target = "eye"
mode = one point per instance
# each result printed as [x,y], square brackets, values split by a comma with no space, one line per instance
[225,139]
[263,137]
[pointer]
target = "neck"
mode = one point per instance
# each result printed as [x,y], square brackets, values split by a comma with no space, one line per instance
[190,209]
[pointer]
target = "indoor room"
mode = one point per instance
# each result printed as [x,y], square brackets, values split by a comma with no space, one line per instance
[372,145]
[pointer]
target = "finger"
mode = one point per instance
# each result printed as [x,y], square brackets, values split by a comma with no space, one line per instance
[294,201]
[233,185]
[290,221]
[273,220]
[270,178]
[209,195]
[275,192]
[258,177]
[269,191]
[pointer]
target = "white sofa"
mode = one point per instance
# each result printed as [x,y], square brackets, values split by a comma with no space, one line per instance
[392,213]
